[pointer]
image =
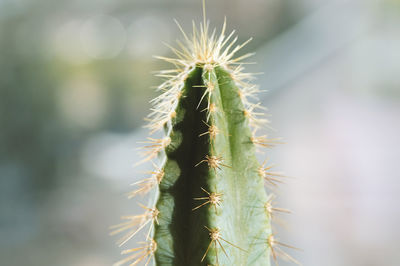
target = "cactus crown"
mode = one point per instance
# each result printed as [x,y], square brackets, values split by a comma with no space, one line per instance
[210,206]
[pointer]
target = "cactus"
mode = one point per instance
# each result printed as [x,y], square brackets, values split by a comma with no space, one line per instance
[210,205]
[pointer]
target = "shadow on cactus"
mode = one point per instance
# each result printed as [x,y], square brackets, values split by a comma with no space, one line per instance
[210,206]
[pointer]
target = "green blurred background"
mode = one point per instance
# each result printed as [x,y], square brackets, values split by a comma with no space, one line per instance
[75,82]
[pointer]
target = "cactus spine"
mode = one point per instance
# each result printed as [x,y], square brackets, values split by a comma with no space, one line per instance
[210,205]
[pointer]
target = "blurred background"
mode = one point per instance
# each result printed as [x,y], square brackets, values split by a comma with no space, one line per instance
[75,82]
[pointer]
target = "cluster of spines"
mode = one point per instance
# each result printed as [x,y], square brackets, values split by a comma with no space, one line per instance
[207,52]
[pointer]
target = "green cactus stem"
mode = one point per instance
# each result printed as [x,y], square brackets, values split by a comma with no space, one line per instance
[210,205]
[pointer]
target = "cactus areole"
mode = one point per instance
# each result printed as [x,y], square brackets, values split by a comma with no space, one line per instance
[210,206]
